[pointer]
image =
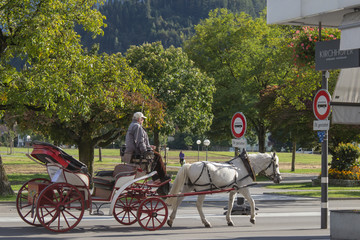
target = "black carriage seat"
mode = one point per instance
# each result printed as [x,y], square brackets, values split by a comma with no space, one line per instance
[106,179]
[47,153]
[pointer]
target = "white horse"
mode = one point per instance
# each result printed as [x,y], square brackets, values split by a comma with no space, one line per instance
[209,176]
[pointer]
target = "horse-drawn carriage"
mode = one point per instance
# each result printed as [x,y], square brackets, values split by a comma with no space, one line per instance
[59,204]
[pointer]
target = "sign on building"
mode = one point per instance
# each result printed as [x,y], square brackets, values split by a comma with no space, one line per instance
[329,56]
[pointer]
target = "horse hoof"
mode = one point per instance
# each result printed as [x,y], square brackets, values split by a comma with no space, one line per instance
[207,225]
[252,221]
[169,223]
[231,224]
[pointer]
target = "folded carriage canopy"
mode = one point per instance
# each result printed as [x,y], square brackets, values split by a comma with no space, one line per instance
[47,153]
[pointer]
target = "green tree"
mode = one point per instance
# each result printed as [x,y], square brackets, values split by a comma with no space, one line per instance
[185,91]
[302,81]
[35,31]
[288,124]
[75,98]
[244,56]
[133,22]
[93,99]
[188,141]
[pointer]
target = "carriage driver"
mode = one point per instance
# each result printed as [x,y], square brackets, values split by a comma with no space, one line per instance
[137,144]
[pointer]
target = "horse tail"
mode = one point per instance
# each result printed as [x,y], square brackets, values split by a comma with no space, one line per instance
[178,184]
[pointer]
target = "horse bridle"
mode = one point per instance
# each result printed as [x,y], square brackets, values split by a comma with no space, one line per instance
[274,165]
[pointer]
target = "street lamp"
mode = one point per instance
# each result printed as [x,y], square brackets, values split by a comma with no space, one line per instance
[166,155]
[198,142]
[206,143]
[28,138]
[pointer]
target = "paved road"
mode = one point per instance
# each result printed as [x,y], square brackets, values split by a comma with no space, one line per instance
[275,220]
[278,217]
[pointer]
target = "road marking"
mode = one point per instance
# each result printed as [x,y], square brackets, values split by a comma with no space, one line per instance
[184,215]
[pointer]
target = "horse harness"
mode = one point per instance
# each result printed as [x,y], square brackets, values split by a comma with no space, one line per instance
[233,184]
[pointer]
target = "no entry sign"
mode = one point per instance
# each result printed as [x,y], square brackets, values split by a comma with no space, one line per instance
[238,125]
[321,104]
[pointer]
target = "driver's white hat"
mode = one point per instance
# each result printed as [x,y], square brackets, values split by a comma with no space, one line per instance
[138,115]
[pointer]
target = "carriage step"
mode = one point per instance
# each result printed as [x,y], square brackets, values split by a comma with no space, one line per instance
[97,213]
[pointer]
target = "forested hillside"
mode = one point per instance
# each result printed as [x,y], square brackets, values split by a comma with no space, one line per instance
[133,22]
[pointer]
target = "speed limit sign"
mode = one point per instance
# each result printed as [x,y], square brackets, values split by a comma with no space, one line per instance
[238,125]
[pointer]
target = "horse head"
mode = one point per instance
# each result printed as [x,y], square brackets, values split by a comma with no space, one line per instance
[272,171]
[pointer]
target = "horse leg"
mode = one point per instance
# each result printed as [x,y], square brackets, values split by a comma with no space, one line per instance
[232,195]
[199,204]
[246,193]
[170,221]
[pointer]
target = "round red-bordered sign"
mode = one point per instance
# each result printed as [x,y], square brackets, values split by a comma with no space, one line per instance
[238,125]
[321,104]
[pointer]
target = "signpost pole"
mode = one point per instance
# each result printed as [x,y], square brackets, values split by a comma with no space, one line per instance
[324,159]
[324,168]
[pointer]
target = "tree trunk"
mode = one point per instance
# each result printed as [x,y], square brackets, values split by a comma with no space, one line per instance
[86,155]
[237,151]
[293,156]
[5,187]
[157,139]
[100,156]
[262,138]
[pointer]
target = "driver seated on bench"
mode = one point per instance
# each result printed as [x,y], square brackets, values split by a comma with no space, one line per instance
[137,146]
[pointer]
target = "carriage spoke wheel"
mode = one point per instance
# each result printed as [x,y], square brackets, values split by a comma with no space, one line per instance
[152,214]
[60,207]
[125,209]
[25,206]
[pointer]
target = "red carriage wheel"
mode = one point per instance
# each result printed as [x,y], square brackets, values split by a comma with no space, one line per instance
[26,200]
[60,207]
[125,209]
[152,214]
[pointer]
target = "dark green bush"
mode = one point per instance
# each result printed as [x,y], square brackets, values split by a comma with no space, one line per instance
[345,157]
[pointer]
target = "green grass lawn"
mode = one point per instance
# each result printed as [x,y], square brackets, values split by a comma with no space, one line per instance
[317,194]
[307,190]
[304,163]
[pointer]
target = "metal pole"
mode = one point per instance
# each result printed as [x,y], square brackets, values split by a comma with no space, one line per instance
[198,151]
[324,159]
[206,152]
[198,142]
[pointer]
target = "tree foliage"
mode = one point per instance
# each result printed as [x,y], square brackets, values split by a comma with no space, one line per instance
[302,80]
[93,98]
[185,91]
[244,56]
[302,83]
[37,31]
[133,22]
[71,96]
